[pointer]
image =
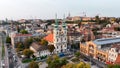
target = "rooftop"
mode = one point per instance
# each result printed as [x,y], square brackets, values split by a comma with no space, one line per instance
[107,41]
[49,38]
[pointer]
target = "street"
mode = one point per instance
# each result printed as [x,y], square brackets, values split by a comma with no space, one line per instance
[96,62]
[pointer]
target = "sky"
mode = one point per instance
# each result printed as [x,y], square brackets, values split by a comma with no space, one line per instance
[46,9]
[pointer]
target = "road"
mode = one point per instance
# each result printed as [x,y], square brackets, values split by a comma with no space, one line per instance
[98,63]
[0,55]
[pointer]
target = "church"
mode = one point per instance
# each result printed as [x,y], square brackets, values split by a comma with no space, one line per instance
[59,37]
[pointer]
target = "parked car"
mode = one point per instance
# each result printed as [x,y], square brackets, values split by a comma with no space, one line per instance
[3,63]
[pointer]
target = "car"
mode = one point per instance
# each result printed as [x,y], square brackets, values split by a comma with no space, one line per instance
[3,63]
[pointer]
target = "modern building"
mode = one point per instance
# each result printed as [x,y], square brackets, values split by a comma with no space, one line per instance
[59,37]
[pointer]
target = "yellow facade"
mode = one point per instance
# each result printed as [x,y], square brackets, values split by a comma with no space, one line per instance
[90,49]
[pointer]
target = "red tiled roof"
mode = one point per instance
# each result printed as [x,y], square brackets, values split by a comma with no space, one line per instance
[19,35]
[118,60]
[49,38]
[108,62]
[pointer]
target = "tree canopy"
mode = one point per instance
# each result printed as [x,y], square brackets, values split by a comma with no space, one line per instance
[27,52]
[8,39]
[28,42]
[33,64]
[44,42]
[79,65]
[113,66]
[24,31]
[56,62]
[51,48]
[77,54]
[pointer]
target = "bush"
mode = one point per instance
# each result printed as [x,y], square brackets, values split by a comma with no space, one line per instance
[75,60]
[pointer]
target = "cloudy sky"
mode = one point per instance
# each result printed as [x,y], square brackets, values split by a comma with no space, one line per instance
[46,9]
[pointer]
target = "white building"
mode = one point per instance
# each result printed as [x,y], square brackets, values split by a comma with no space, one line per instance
[59,37]
[114,54]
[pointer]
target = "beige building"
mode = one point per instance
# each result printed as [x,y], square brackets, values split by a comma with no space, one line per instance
[100,49]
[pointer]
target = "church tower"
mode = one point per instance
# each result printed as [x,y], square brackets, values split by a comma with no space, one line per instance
[60,36]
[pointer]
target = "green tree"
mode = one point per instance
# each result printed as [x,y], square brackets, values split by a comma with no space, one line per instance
[56,62]
[113,66]
[69,65]
[8,39]
[44,42]
[49,60]
[28,42]
[19,46]
[24,31]
[33,64]
[27,52]
[77,54]
[117,28]
[75,65]
[51,48]
[97,19]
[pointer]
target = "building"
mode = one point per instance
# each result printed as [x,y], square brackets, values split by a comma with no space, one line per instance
[19,38]
[39,50]
[99,48]
[59,37]
[114,54]
[73,36]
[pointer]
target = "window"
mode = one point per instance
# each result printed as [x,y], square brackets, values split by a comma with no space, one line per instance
[65,39]
[57,40]
[65,45]
[57,47]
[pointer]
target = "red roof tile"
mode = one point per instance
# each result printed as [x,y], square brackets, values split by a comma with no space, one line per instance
[118,60]
[49,38]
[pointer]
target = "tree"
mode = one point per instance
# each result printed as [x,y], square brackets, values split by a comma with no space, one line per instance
[82,65]
[19,46]
[37,39]
[69,65]
[8,39]
[27,52]
[56,62]
[18,29]
[117,28]
[97,19]
[113,66]
[24,31]
[28,42]
[79,65]
[77,54]
[51,48]
[33,64]
[44,42]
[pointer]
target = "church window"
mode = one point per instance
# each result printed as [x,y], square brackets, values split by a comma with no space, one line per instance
[57,32]
[65,38]
[57,47]
[57,39]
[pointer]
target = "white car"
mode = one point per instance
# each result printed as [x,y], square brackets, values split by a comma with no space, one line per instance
[3,63]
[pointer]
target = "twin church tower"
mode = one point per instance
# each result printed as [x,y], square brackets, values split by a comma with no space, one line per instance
[60,36]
